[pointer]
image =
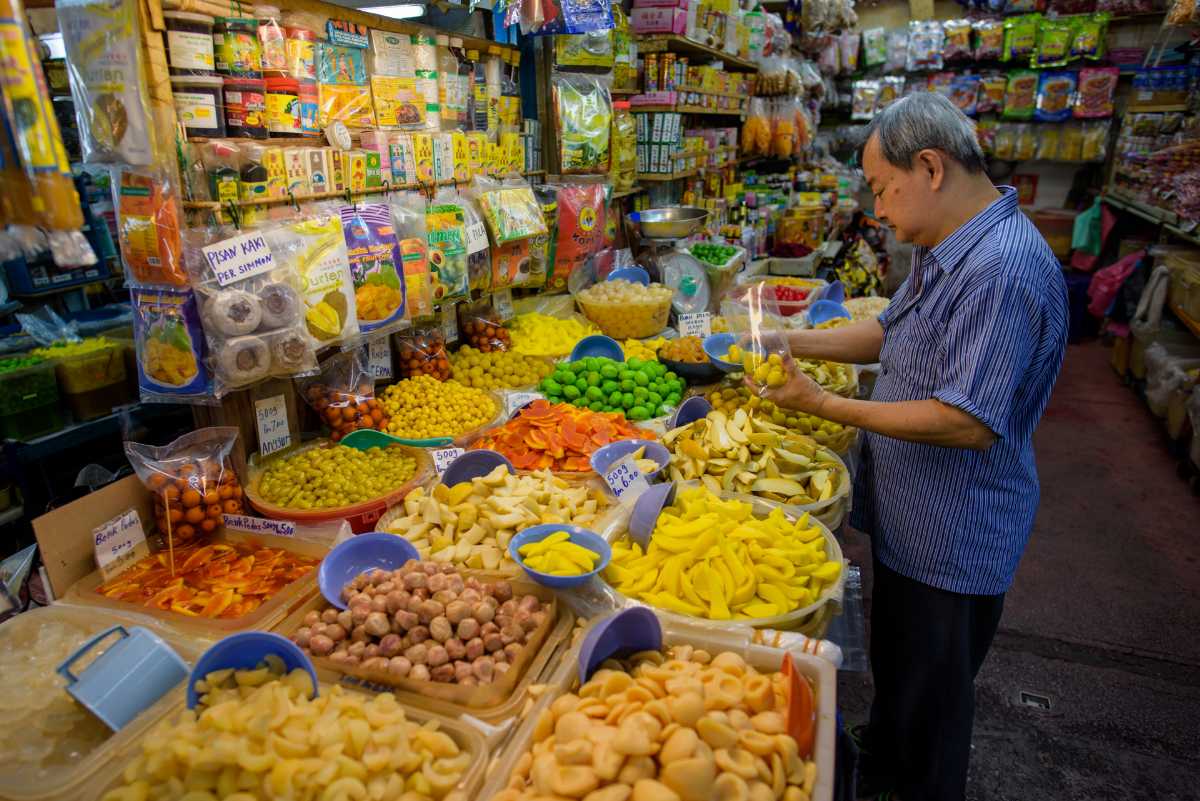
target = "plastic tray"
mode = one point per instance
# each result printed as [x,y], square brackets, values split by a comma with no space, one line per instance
[497,714]
[83,592]
[56,784]
[633,320]
[124,748]
[361,516]
[565,679]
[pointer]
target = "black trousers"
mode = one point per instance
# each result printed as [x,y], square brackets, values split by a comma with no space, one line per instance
[927,646]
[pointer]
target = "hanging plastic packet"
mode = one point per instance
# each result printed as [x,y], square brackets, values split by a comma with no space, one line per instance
[103,43]
[375,265]
[479,254]
[991,93]
[573,16]
[924,45]
[989,39]
[848,44]
[422,351]
[1054,42]
[964,93]
[1094,144]
[1004,141]
[317,248]
[891,89]
[1025,144]
[343,394]
[1048,142]
[941,83]
[1020,37]
[897,50]
[510,264]
[170,346]
[543,246]
[865,93]
[583,117]
[1070,146]
[1096,88]
[1089,36]
[874,46]
[1055,91]
[408,215]
[956,42]
[148,227]
[251,306]
[1020,96]
[445,222]
[581,222]
[342,91]
[985,132]
[584,50]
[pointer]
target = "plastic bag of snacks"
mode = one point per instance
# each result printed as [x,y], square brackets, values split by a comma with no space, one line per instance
[376,265]
[1004,141]
[1020,96]
[193,481]
[251,303]
[169,341]
[924,45]
[583,114]
[964,93]
[148,227]
[542,247]
[581,220]
[445,221]
[991,93]
[1048,142]
[1020,37]
[422,351]
[1096,88]
[479,255]
[1094,145]
[1054,43]
[1055,91]
[408,215]
[756,132]
[479,326]
[956,44]
[783,136]
[343,394]
[989,39]
[318,248]
[874,45]
[891,87]
[1090,36]
[865,93]
[1025,146]
[897,50]
[510,210]
[762,349]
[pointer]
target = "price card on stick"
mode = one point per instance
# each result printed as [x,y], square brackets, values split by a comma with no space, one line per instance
[274,433]
[503,304]
[695,325]
[118,542]
[379,358]
[443,457]
[625,480]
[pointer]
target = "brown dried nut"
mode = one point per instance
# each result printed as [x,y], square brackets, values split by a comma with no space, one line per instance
[417,654]
[484,611]
[484,669]
[429,610]
[456,648]
[738,761]
[375,663]
[418,634]
[650,790]
[377,624]
[405,620]
[359,613]
[492,643]
[329,615]
[320,645]
[570,726]
[356,649]
[613,792]
[437,582]
[443,673]
[345,619]
[430,568]
[440,628]
[342,659]
[503,621]
[471,595]
[691,778]
[399,666]
[681,744]
[457,611]
[302,636]
[488,628]
[419,673]
[512,633]
[530,603]
[462,670]
[731,787]
[312,618]
[768,723]
[444,597]
[415,580]
[436,655]
[513,650]
[414,601]
[371,651]
[396,600]
[468,629]
[475,648]
[455,584]
[379,603]
[576,752]
[390,645]
[687,709]
[509,608]
[502,591]
[502,668]
[335,632]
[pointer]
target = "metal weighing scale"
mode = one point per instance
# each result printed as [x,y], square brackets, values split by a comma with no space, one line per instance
[657,248]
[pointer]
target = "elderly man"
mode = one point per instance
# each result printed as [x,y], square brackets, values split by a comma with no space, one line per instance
[947,489]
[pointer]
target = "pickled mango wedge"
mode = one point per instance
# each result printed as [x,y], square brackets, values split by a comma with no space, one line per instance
[557,556]
[714,559]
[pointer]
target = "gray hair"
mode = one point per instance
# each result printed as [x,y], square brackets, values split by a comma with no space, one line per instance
[926,120]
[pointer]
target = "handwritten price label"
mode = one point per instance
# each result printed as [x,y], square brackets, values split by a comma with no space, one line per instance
[259,525]
[503,304]
[379,359]
[239,258]
[695,325]
[623,478]
[118,542]
[518,399]
[443,457]
[271,417]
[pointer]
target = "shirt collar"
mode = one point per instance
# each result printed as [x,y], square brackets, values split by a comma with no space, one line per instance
[951,251]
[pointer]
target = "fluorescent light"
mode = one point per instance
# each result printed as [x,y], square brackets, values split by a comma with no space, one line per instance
[402,11]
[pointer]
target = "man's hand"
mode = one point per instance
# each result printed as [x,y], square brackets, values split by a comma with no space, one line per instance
[800,392]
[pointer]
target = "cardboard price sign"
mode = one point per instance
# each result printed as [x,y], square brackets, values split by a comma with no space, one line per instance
[379,359]
[444,457]
[624,479]
[259,525]
[695,325]
[270,415]
[119,542]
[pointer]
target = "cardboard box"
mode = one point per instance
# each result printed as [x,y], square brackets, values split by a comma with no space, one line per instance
[658,20]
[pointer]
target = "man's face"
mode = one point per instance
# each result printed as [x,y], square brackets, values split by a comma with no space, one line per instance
[904,199]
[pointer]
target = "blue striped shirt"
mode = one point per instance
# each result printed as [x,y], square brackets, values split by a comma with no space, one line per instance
[980,324]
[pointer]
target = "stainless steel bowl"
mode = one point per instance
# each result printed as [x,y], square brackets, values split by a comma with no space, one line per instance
[675,222]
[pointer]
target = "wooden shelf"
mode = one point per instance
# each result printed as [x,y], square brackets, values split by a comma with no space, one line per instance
[1192,325]
[674,43]
[686,110]
[637,190]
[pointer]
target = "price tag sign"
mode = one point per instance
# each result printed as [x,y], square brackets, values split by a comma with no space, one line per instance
[119,542]
[695,325]
[624,479]
[502,303]
[273,431]
[516,400]
[449,323]
[442,457]
[259,525]
[379,359]
[239,258]
[477,239]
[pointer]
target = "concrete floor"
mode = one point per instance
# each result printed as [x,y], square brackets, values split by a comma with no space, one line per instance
[1103,618]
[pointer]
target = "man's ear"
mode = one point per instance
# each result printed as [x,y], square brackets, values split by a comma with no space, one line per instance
[932,164]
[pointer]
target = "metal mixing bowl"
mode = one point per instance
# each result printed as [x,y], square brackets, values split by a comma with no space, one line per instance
[675,222]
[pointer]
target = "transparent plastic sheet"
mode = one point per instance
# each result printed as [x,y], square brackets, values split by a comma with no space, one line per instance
[343,394]
[252,308]
[171,350]
[148,224]
[445,221]
[408,215]
[479,255]
[766,356]
[479,326]
[317,248]
[46,327]
[193,479]
[103,44]
[422,351]
[583,117]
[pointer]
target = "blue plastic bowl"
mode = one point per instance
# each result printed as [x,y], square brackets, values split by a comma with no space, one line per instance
[634,275]
[474,464]
[716,346]
[621,634]
[358,555]
[597,345]
[604,458]
[245,651]
[580,536]
[825,310]
[689,411]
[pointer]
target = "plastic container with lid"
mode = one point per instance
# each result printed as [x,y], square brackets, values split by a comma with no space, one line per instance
[29,402]
[283,106]
[273,40]
[189,43]
[93,382]
[236,46]
[246,107]
[199,104]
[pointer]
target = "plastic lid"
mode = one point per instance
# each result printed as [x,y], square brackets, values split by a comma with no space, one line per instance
[686,275]
[443,40]
[189,16]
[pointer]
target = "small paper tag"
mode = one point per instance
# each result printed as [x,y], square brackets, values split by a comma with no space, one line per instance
[442,457]
[239,258]
[449,323]
[271,417]
[695,325]
[623,478]
[516,400]
[119,542]
[502,303]
[259,525]
[477,239]
[379,359]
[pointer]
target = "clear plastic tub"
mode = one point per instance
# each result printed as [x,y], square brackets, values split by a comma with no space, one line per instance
[94,382]
[361,516]
[820,673]
[29,402]
[126,745]
[498,711]
[83,593]
[18,634]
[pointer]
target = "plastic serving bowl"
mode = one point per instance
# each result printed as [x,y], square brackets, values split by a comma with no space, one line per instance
[245,651]
[597,345]
[356,555]
[580,536]
[603,458]
[716,346]
[703,373]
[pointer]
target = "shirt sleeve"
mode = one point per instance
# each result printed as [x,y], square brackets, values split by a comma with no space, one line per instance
[990,341]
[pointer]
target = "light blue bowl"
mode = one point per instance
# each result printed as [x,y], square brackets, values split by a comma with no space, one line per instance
[716,346]
[620,634]
[691,410]
[580,536]
[474,464]
[823,311]
[634,275]
[604,458]
[597,345]
[246,651]
[359,554]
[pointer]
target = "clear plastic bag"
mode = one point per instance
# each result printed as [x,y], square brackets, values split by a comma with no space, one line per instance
[874,44]
[376,265]
[479,255]
[343,394]
[583,115]
[445,222]
[148,227]
[170,346]
[408,215]
[422,351]
[479,326]
[510,210]
[865,93]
